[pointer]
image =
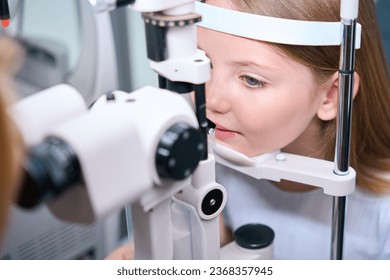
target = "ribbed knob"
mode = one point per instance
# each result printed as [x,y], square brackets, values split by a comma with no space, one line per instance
[179,152]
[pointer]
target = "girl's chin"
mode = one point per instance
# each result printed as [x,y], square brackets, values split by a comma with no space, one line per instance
[243,150]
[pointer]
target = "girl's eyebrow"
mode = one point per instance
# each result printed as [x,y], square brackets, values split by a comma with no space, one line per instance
[254,64]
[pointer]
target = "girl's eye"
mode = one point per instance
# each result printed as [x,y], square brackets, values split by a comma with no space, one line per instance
[252,82]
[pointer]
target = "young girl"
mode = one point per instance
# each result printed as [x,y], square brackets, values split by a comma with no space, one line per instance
[265,97]
[10,143]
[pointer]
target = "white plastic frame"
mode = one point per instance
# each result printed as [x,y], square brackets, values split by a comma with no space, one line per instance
[277,30]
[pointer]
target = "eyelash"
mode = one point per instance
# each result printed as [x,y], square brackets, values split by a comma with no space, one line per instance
[247,79]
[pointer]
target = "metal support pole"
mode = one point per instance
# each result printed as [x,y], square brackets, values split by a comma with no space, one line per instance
[344,123]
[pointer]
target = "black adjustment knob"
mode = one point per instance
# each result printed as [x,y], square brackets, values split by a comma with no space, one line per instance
[254,236]
[179,152]
[212,202]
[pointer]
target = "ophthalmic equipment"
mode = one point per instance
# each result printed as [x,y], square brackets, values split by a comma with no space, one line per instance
[149,149]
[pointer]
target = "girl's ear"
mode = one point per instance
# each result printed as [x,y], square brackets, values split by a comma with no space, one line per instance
[328,106]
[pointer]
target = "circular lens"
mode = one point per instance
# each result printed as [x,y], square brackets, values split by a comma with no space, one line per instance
[50,168]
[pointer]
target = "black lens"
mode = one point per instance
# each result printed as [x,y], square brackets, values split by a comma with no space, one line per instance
[50,168]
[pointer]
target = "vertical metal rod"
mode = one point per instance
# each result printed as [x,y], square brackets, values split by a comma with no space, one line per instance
[338,220]
[200,111]
[344,124]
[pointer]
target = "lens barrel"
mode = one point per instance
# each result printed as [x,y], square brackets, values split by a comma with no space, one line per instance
[50,168]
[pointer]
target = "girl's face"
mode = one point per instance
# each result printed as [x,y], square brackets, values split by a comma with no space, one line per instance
[259,99]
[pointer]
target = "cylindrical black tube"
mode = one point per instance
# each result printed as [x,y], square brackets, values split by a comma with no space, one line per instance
[4,10]
[200,111]
[121,3]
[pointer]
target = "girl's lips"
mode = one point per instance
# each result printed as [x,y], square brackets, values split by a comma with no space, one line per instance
[223,133]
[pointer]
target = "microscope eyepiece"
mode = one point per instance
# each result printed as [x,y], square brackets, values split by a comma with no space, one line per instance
[50,168]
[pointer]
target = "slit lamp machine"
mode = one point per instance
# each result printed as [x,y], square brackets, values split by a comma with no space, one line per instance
[149,151]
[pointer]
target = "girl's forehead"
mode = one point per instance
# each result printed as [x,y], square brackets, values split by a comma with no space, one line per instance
[236,54]
[216,43]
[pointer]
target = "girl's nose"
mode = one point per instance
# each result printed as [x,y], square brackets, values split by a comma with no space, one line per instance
[217,98]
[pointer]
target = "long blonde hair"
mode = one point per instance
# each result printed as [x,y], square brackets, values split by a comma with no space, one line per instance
[370,144]
[10,141]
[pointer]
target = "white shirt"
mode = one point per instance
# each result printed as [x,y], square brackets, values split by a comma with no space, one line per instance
[302,220]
